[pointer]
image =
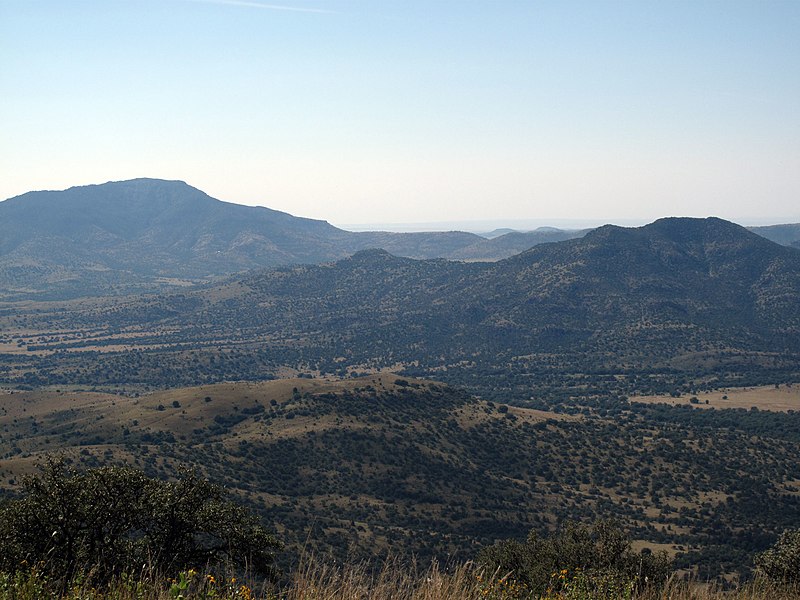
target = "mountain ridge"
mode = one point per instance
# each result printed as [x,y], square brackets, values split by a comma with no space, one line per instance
[145,235]
[129,235]
[664,305]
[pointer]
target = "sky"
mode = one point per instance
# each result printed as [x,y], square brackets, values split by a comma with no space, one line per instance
[413,111]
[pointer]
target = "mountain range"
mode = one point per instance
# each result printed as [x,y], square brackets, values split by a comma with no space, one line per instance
[673,305]
[144,234]
[149,234]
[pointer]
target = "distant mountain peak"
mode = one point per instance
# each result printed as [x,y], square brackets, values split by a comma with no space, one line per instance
[679,229]
[139,181]
[139,186]
[689,225]
[373,255]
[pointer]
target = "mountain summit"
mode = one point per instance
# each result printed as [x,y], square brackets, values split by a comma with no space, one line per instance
[139,235]
[133,231]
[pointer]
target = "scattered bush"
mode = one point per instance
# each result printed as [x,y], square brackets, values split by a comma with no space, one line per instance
[595,557]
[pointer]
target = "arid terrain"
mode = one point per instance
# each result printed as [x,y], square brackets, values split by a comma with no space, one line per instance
[779,398]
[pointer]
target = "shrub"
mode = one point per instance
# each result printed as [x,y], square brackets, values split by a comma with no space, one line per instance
[107,520]
[599,555]
[782,561]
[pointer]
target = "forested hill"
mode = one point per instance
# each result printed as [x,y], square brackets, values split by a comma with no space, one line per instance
[708,276]
[708,273]
[149,234]
[677,303]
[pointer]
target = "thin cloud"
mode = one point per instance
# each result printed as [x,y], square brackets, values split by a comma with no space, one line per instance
[251,4]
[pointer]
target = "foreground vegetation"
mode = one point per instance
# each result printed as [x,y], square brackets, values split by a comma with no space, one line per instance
[118,534]
[323,581]
[98,525]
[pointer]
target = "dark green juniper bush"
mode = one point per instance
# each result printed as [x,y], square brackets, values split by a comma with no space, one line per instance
[110,520]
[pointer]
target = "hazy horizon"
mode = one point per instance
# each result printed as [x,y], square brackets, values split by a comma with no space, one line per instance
[488,226]
[387,112]
[483,226]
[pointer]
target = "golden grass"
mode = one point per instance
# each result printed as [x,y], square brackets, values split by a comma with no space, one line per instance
[779,399]
[466,581]
[322,581]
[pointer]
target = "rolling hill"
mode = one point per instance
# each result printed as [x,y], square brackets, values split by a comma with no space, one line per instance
[675,305]
[363,467]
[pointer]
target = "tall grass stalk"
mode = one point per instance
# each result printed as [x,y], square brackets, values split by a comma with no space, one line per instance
[319,580]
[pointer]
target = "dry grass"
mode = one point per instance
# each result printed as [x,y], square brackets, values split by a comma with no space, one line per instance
[350,582]
[779,399]
[756,590]
[321,581]
[466,582]
[316,580]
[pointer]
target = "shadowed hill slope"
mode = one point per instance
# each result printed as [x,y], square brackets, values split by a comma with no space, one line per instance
[675,304]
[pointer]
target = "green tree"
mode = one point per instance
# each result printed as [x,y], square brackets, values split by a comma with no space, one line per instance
[598,555]
[782,561]
[107,520]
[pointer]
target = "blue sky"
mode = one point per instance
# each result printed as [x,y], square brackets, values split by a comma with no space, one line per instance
[377,111]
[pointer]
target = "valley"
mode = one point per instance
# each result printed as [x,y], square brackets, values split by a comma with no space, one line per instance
[366,466]
[365,403]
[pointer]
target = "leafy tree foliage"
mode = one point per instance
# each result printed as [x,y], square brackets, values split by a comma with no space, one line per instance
[600,552]
[106,520]
[782,561]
